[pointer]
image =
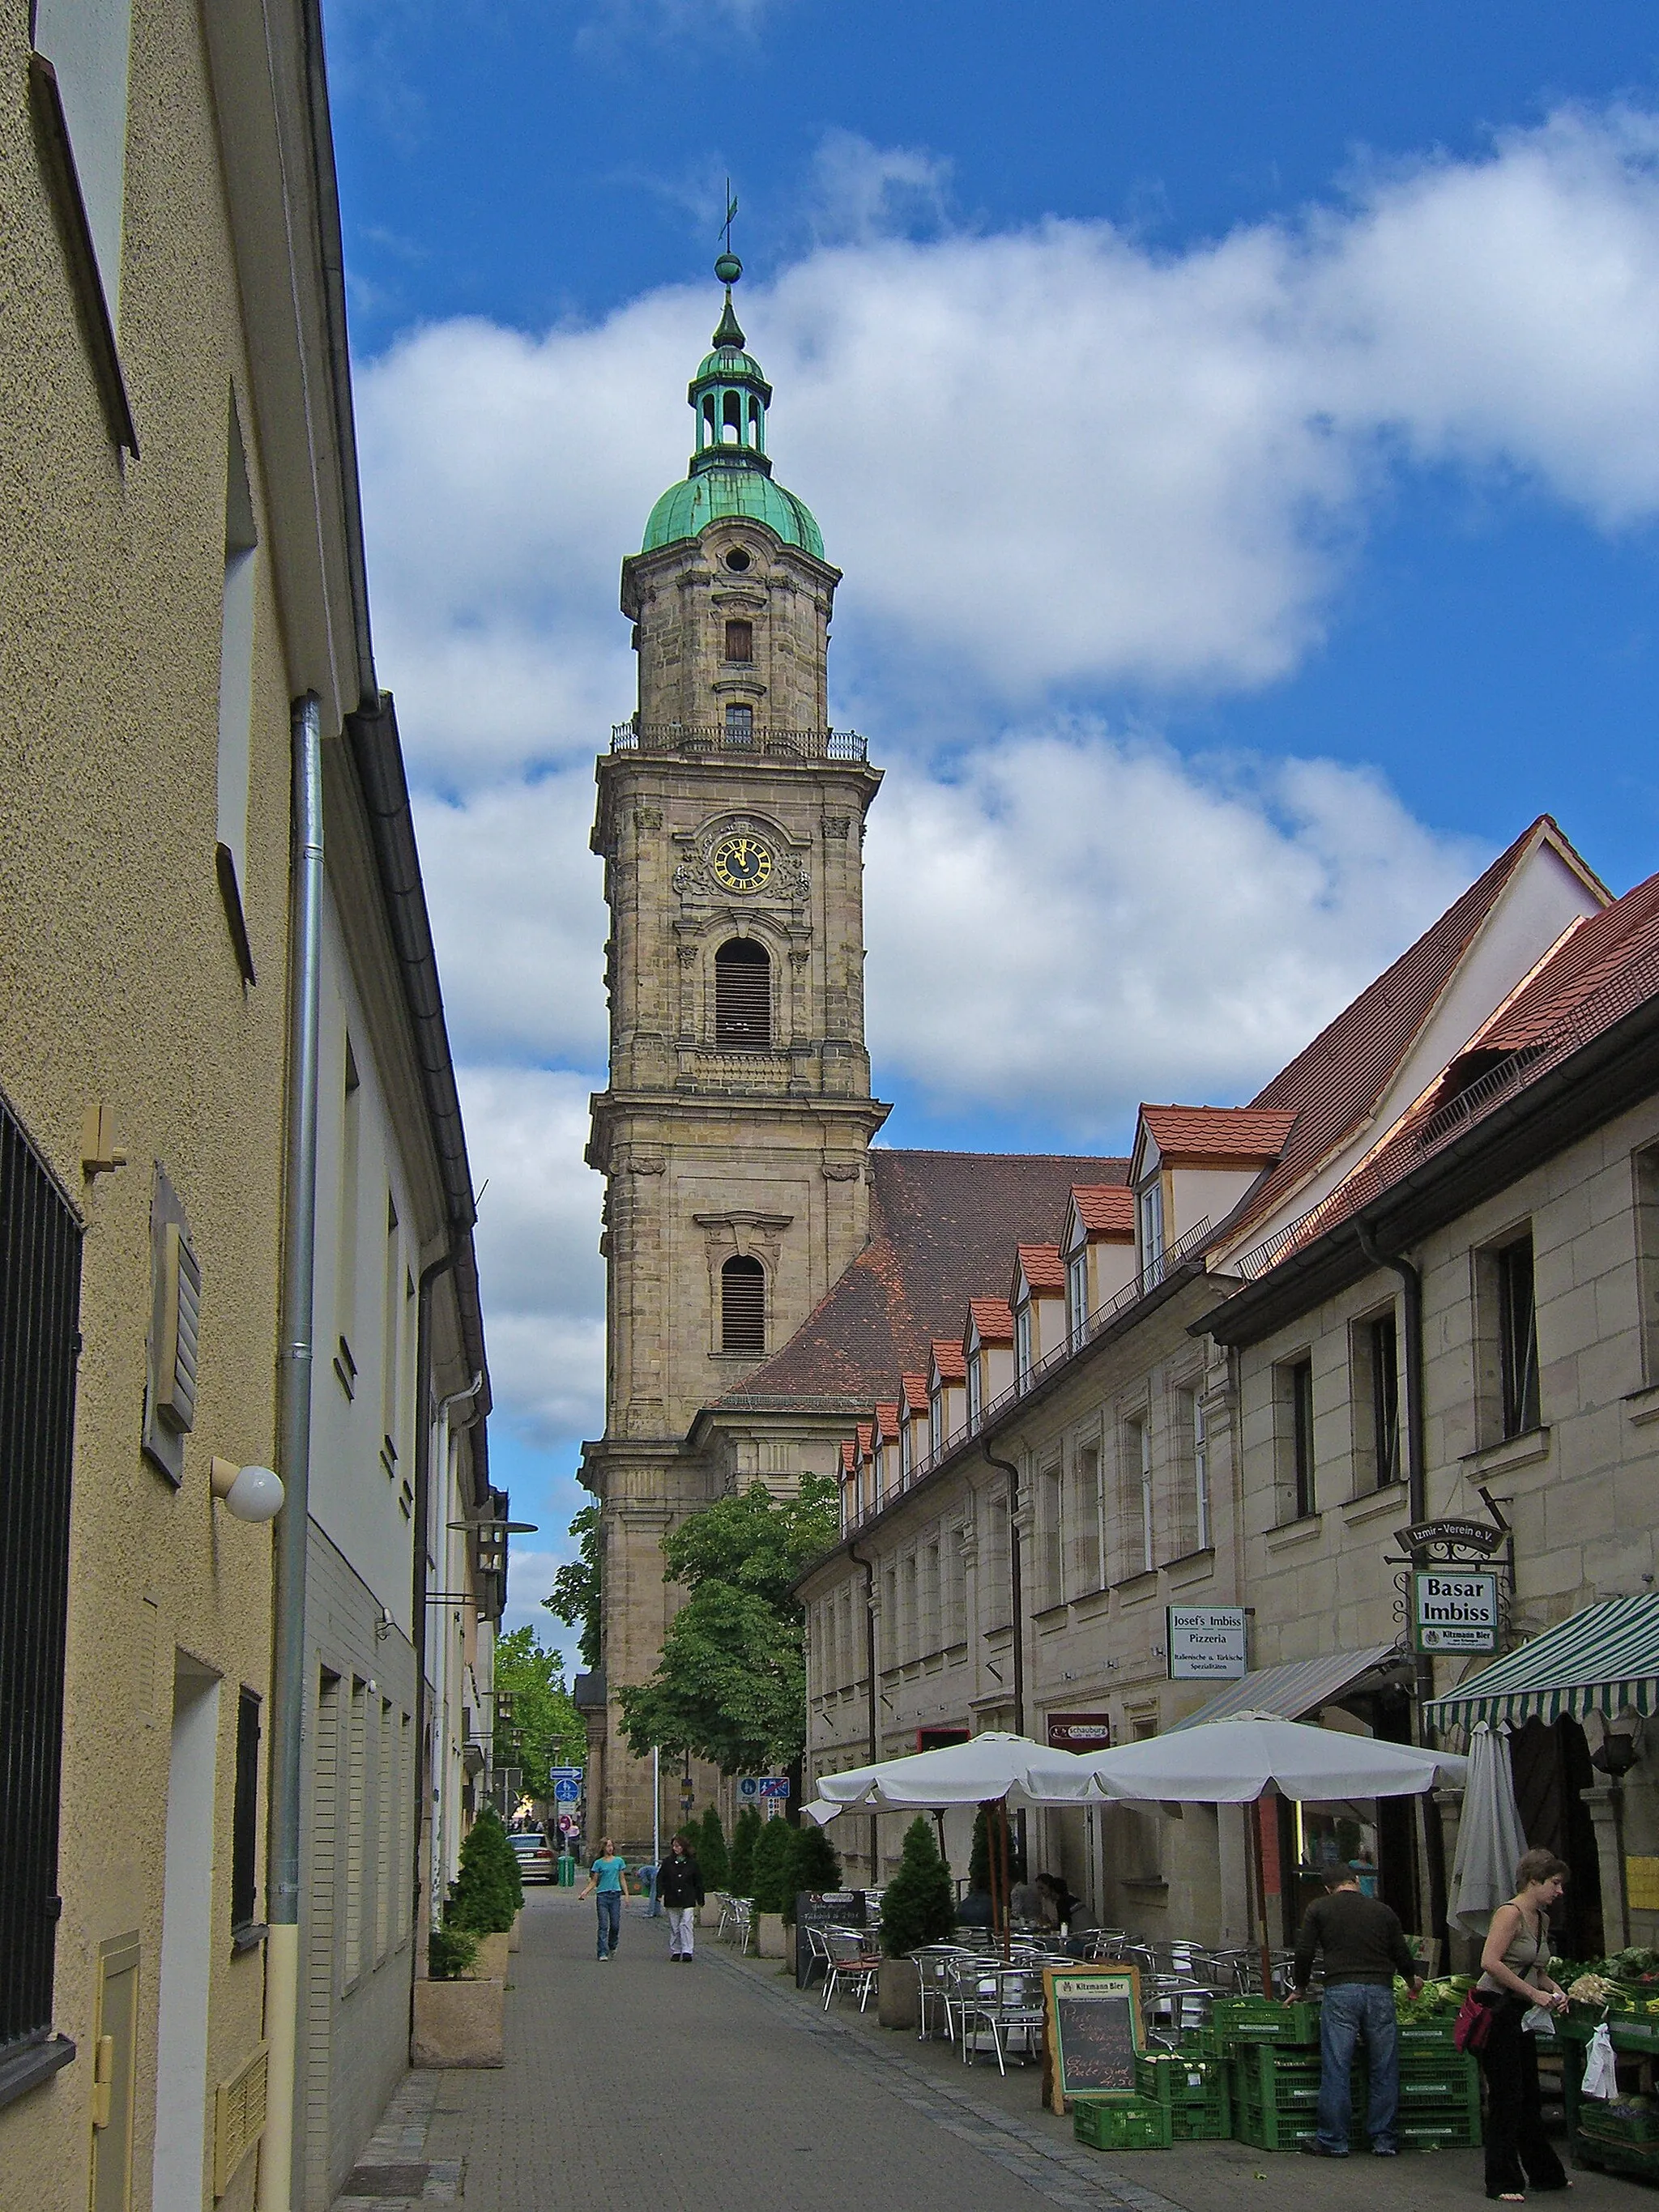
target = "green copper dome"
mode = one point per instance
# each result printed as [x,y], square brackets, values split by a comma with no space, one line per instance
[730,475]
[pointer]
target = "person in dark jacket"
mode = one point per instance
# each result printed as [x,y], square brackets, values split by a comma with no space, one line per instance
[679,1885]
[1364,1948]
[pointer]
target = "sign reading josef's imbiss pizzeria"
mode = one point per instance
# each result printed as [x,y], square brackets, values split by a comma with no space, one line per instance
[1453,1611]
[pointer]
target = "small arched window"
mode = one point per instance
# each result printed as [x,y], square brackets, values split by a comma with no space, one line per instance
[732,422]
[742,1306]
[740,641]
[743,996]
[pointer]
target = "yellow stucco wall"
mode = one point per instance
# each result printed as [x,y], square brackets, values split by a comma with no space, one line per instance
[119,983]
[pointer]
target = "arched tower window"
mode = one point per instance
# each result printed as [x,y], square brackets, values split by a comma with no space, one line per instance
[732,426]
[742,1306]
[740,641]
[706,423]
[743,996]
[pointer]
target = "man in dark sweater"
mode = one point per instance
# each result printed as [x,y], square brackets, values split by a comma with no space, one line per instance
[1364,1948]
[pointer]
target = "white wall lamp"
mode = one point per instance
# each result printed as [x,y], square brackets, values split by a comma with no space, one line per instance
[247,1493]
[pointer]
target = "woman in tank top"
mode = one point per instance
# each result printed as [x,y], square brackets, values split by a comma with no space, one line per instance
[1515,1976]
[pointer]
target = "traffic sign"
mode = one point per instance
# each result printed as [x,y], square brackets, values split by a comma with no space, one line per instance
[567,1824]
[753,1789]
[566,1793]
[566,1773]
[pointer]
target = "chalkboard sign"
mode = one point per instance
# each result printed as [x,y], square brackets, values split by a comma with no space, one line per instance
[832,1908]
[1094,2031]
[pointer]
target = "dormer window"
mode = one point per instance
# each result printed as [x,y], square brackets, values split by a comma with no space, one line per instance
[1023,1340]
[1076,1294]
[740,641]
[1149,1223]
[975,1393]
[935,1420]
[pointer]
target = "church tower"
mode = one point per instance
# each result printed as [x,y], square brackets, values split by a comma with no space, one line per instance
[733,1135]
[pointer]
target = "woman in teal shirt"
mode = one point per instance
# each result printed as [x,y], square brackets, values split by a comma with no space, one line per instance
[607,1876]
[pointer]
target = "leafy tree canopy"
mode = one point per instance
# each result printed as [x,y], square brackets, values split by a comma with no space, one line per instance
[730,1685]
[575,1594]
[550,1731]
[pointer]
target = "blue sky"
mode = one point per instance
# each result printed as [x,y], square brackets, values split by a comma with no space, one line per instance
[1235,423]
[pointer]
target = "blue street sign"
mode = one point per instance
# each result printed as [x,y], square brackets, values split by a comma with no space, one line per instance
[566,1793]
[566,1773]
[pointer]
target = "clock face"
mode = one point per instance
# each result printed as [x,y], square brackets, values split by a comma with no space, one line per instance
[741,862]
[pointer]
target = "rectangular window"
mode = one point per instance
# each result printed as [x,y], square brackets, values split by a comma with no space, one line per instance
[740,641]
[956,1588]
[1051,1535]
[1383,1343]
[87,43]
[345,1245]
[1076,1295]
[907,1450]
[1517,1338]
[1297,1388]
[385,1828]
[1135,1487]
[974,1388]
[935,1421]
[740,727]
[1149,1210]
[910,1641]
[40,1318]
[405,1823]
[236,692]
[391,1315]
[1023,1341]
[1646,1170]
[930,1601]
[356,1814]
[244,1815]
[1089,1520]
[1191,1487]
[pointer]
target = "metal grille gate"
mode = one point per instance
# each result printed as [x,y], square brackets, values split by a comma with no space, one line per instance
[40,1308]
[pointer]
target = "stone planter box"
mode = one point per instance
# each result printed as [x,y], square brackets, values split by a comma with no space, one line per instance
[459,2024]
[515,1933]
[770,1936]
[491,1965]
[898,1995]
[708,1916]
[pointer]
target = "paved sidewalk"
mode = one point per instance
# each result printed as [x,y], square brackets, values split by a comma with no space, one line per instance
[639,2087]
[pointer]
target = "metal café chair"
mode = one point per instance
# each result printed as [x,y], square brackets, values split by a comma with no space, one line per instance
[817,1947]
[852,1963]
[743,1922]
[936,1975]
[1006,2002]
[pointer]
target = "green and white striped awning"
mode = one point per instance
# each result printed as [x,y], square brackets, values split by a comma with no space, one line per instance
[1600,1661]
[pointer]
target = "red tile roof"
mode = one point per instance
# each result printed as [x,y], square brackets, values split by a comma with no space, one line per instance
[994,1318]
[1606,968]
[887,1423]
[1043,1267]
[849,1459]
[1106,1210]
[915,1387]
[864,1437]
[942,1225]
[1337,1081]
[949,1359]
[1248,1133]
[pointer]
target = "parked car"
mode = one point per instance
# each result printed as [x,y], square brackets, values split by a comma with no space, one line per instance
[535,1859]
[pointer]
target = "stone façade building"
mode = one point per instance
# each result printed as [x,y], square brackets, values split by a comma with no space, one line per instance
[735,1132]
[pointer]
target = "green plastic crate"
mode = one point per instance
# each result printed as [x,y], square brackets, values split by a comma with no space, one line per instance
[1121,2122]
[1640,2159]
[1212,2122]
[1260,2020]
[1182,2078]
[1444,2086]
[1616,2124]
[1264,2128]
[1428,2035]
[1263,2073]
[1457,2131]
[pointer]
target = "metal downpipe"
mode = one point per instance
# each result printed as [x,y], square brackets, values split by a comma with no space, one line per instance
[288,1664]
[869,1568]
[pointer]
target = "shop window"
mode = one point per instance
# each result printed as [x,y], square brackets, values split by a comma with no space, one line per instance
[742,1307]
[743,996]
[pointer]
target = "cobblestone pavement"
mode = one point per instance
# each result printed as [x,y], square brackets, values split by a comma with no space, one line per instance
[636,2085]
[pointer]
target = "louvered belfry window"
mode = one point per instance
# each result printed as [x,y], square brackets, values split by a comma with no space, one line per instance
[742,1306]
[743,996]
[40,1309]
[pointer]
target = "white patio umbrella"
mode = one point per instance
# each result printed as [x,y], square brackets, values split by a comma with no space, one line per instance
[1241,1759]
[987,1770]
[1490,1836]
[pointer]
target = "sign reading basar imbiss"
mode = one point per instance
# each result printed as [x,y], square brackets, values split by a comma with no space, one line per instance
[1453,1611]
[1207,1643]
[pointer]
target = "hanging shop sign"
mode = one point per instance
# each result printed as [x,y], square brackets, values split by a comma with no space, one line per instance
[1080,1731]
[1205,1643]
[1451,1535]
[1453,1611]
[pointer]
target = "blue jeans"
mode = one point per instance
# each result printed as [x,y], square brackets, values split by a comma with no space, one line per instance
[609,1904]
[1352,2009]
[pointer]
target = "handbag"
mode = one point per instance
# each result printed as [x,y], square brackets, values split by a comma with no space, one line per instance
[1472,2025]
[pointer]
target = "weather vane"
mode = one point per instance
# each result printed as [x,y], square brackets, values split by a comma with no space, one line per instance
[728,268]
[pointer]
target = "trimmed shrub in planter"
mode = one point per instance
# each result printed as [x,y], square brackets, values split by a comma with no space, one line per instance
[773,1853]
[451,1953]
[813,1865]
[711,1852]
[487,1893]
[745,1836]
[917,1905]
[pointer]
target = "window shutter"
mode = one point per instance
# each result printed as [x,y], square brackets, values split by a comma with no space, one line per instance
[742,1306]
[174,1333]
[743,996]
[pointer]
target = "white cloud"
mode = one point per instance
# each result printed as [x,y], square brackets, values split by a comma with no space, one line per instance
[1085,922]
[537,1241]
[862,192]
[1048,458]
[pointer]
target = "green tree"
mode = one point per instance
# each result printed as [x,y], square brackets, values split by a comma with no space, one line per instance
[550,1732]
[487,1891]
[730,1685]
[813,1865]
[917,1905]
[744,1836]
[772,1852]
[711,1850]
[576,1587]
